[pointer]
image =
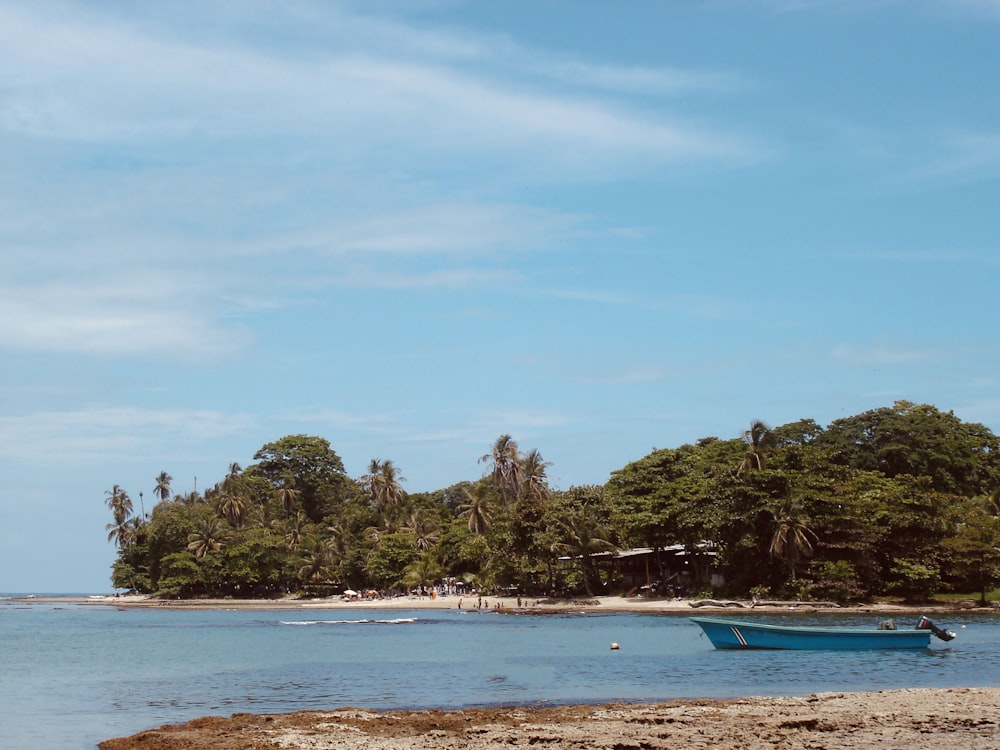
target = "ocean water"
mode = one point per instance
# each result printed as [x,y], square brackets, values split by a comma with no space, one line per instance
[72,675]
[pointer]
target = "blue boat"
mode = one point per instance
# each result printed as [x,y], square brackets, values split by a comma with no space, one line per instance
[735,634]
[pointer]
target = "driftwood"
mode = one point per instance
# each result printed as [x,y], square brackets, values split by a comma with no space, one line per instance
[715,603]
[784,605]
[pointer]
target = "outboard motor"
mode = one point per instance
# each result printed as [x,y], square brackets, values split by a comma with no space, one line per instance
[925,624]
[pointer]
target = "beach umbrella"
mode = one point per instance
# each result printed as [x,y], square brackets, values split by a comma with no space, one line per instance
[350,592]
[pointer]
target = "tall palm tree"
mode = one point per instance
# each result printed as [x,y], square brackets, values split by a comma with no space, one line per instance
[792,539]
[162,488]
[390,484]
[208,536]
[505,467]
[119,502]
[533,479]
[122,532]
[383,483]
[232,476]
[476,509]
[758,438]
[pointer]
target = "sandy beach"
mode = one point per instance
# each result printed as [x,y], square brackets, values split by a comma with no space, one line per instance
[513,605]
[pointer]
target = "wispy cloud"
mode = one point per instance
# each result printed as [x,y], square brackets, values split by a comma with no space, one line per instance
[876,356]
[965,155]
[81,79]
[642,80]
[111,433]
[154,166]
[99,320]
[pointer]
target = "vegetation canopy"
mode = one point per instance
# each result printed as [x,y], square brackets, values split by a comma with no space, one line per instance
[898,501]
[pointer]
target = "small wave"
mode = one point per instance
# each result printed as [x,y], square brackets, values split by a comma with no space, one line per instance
[397,621]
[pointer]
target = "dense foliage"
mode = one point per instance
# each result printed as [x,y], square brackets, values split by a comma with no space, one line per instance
[902,501]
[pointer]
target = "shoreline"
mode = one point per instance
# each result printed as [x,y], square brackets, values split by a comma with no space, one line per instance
[917,719]
[509,605]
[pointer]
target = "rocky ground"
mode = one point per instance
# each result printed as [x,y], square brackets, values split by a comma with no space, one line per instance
[949,719]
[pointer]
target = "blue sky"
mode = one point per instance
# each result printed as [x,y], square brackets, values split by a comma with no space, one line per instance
[412,227]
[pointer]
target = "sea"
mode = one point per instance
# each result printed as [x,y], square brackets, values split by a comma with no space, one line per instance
[72,675]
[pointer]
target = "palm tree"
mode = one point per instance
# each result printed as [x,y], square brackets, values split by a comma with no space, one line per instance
[294,529]
[425,527]
[287,496]
[232,507]
[423,571]
[533,478]
[505,467]
[758,438]
[119,502]
[584,537]
[232,503]
[476,510]
[162,488]
[232,476]
[792,539]
[315,563]
[382,483]
[390,484]
[122,532]
[208,536]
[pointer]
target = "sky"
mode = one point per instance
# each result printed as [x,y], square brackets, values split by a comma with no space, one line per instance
[411,227]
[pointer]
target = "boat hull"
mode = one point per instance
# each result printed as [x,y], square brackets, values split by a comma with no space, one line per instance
[733,634]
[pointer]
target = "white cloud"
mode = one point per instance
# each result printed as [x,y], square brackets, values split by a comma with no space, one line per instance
[443,228]
[640,79]
[103,433]
[100,320]
[80,79]
[878,355]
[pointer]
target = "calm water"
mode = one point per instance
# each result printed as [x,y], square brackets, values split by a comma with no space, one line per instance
[73,675]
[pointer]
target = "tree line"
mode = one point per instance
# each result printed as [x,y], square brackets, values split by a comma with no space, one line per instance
[899,501]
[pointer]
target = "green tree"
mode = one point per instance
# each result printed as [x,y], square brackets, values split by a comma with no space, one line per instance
[162,491]
[975,544]
[920,441]
[476,509]
[383,483]
[423,571]
[316,565]
[309,465]
[119,502]
[792,539]
[583,537]
[287,497]
[232,507]
[424,525]
[121,532]
[758,439]
[208,536]
[533,476]
[504,461]
[387,562]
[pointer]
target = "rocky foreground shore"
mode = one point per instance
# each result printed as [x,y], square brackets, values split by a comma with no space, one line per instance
[948,719]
